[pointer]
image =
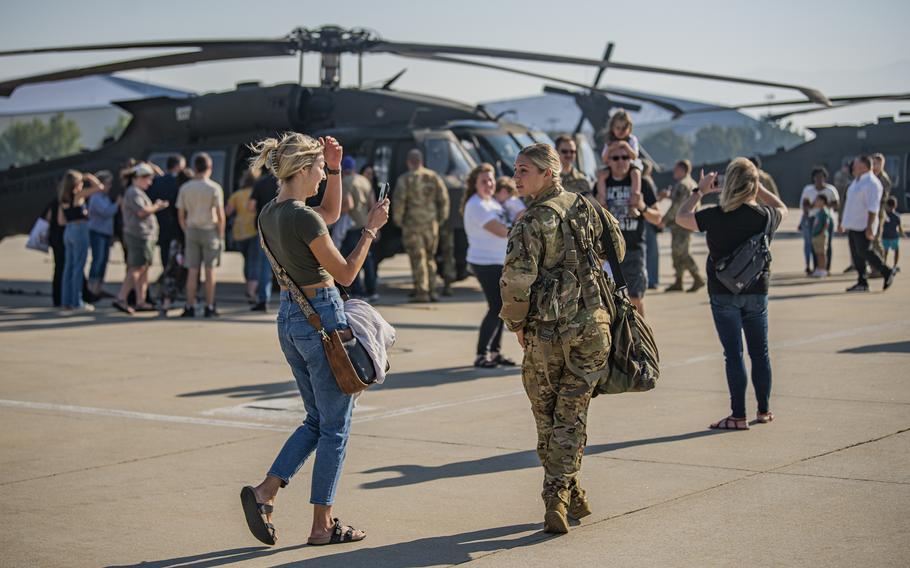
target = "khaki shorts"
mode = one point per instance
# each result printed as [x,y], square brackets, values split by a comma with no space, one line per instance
[203,247]
[139,250]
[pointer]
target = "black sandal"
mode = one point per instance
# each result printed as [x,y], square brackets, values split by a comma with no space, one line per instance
[504,361]
[730,423]
[255,517]
[483,363]
[123,307]
[337,536]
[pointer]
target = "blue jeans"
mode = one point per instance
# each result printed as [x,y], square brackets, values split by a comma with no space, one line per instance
[805,226]
[328,410]
[265,278]
[75,239]
[734,315]
[653,258]
[249,248]
[101,248]
[348,245]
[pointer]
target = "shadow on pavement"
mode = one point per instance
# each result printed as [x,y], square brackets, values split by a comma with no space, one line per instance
[431,551]
[218,558]
[413,474]
[896,347]
[264,391]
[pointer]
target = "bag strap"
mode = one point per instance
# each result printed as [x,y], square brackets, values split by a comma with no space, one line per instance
[285,279]
[769,211]
[607,239]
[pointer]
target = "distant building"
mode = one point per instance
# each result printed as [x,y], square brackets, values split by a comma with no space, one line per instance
[87,101]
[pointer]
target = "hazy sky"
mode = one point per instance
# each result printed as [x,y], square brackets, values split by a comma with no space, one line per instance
[841,47]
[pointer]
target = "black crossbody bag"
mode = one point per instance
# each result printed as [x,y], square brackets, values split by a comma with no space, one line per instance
[740,269]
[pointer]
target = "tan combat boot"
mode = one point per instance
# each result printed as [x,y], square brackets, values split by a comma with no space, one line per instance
[675,287]
[555,520]
[697,285]
[578,504]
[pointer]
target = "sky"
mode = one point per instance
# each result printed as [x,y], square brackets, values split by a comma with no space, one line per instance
[840,47]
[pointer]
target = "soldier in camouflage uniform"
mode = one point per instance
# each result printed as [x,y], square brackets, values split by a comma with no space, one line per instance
[571,179]
[878,168]
[556,298]
[679,237]
[420,204]
[447,236]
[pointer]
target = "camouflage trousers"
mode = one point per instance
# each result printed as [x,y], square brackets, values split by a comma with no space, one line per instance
[682,258]
[421,248]
[447,251]
[559,401]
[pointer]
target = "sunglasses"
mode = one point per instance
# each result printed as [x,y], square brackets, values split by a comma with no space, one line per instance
[568,152]
[618,158]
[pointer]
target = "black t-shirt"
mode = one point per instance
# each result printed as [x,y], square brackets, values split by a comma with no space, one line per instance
[264,190]
[165,188]
[617,199]
[726,231]
[55,233]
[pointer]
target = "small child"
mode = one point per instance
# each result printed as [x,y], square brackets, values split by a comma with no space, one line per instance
[620,128]
[821,222]
[892,230]
[173,279]
[507,196]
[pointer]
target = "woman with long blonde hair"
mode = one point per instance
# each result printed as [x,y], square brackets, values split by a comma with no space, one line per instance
[745,206]
[72,214]
[298,238]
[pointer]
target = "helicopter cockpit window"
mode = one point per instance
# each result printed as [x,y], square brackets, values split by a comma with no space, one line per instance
[471,149]
[588,161]
[504,145]
[445,158]
[523,139]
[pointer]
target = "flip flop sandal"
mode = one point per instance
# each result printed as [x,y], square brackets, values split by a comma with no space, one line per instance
[764,418]
[337,537]
[730,423]
[123,307]
[255,517]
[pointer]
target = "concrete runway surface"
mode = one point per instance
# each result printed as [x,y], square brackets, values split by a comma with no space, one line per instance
[124,441]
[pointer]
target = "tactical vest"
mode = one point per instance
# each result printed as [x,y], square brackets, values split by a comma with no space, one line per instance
[577,281]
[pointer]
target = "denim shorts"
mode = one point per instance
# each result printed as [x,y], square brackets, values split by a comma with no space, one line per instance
[633,270]
[891,244]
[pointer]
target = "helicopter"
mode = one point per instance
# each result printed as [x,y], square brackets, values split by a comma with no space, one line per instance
[377,125]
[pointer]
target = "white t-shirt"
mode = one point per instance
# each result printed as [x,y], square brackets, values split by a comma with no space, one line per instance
[810,193]
[863,197]
[484,248]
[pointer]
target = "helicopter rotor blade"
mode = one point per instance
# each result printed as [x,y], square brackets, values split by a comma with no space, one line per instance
[204,55]
[853,99]
[813,95]
[446,59]
[612,102]
[173,44]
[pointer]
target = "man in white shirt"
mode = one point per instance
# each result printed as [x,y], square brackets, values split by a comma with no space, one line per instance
[860,221]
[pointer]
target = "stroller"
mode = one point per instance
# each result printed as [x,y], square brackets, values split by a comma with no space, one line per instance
[173,279]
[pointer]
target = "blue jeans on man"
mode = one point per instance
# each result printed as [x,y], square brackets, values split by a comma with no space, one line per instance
[735,316]
[101,248]
[265,279]
[653,256]
[328,421]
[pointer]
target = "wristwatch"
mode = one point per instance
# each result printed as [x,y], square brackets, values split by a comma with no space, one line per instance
[332,172]
[370,233]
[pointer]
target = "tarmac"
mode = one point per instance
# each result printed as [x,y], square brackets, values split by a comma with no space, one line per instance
[124,441]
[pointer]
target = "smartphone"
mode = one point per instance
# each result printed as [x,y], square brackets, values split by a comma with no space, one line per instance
[719,180]
[383,191]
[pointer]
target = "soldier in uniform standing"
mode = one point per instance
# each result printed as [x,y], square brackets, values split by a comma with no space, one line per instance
[680,237]
[555,297]
[420,204]
[878,168]
[571,179]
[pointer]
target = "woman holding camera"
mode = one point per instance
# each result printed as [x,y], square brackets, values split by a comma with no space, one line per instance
[745,206]
[73,215]
[298,238]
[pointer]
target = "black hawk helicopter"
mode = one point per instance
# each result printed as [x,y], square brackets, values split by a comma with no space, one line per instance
[376,125]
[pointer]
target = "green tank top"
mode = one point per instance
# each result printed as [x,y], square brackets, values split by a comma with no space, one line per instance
[289,227]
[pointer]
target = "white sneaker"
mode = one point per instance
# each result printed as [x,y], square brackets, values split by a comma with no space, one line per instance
[86,308]
[819,274]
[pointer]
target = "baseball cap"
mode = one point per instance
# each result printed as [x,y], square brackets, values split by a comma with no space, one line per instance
[348,163]
[142,170]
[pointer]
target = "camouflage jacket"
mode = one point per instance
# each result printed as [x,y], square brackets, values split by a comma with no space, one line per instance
[886,185]
[575,181]
[681,191]
[535,254]
[420,200]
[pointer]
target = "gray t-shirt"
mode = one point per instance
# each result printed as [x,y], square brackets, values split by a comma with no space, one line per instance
[288,228]
[134,200]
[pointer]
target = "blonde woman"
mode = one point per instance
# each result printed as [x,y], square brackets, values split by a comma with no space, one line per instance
[565,334]
[298,237]
[73,215]
[743,212]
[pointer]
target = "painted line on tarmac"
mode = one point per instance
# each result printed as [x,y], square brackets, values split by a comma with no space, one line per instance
[133,415]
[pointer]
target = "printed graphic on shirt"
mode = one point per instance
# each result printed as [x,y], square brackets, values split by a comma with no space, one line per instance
[618,205]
